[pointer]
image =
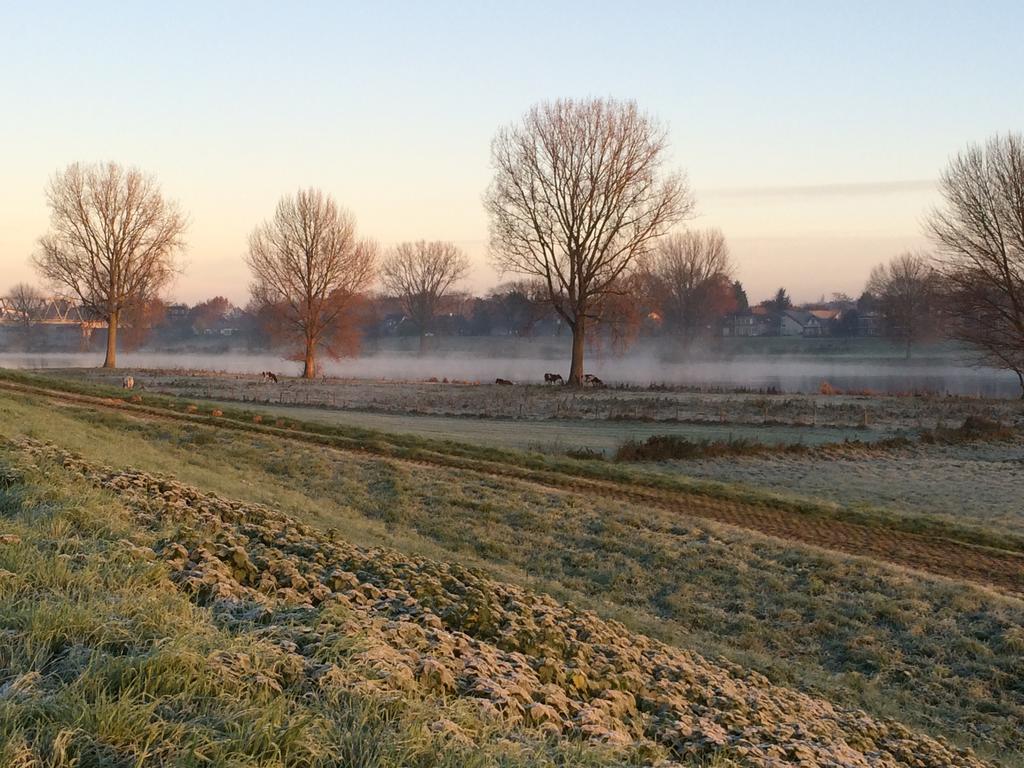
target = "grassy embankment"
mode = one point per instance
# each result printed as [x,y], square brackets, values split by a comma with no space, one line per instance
[938,654]
[526,465]
[103,662]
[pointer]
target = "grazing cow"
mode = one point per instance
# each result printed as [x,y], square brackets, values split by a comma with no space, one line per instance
[269,376]
[553,378]
[592,380]
[128,382]
[503,382]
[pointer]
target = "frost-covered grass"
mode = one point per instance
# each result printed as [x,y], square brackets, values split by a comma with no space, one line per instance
[104,663]
[941,655]
[979,482]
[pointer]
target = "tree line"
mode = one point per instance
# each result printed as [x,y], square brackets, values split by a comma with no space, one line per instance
[582,205]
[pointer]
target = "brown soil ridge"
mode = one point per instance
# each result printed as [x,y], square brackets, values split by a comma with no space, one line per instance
[996,568]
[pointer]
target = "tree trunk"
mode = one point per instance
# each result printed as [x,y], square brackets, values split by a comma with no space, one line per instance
[1020,378]
[423,343]
[576,369]
[309,368]
[110,361]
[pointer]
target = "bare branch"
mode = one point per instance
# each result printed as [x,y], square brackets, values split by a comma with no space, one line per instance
[420,275]
[309,268]
[689,276]
[112,242]
[578,196]
[979,233]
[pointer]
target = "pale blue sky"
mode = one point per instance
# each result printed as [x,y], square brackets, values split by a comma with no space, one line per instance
[812,132]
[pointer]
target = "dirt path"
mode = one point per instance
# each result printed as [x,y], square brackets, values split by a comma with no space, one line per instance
[1001,569]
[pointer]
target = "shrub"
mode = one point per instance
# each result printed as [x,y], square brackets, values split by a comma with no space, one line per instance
[974,428]
[667,447]
[585,453]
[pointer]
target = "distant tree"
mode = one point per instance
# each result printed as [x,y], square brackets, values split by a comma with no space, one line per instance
[618,316]
[206,314]
[140,320]
[780,302]
[740,297]
[308,271]
[517,306]
[979,233]
[691,281]
[906,291]
[112,241]
[421,275]
[28,304]
[847,324]
[867,302]
[579,195]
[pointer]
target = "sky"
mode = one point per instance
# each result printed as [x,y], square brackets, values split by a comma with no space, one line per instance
[812,133]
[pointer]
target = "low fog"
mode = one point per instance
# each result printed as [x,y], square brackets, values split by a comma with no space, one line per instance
[794,374]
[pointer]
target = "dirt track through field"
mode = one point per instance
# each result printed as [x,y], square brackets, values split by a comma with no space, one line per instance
[1000,569]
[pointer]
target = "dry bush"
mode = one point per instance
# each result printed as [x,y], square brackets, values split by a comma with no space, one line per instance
[669,447]
[974,428]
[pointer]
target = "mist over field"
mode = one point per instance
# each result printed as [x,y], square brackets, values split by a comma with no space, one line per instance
[785,373]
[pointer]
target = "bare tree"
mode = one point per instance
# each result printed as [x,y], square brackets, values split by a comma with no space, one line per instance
[112,241]
[420,275]
[308,269]
[578,195]
[906,291]
[979,232]
[691,280]
[28,305]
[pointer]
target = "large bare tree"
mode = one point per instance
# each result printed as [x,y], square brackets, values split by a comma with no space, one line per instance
[580,192]
[308,268]
[690,276]
[979,233]
[421,275]
[906,289]
[112,242]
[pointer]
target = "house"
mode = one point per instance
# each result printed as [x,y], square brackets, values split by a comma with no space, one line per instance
[869,324]
[745,323]
[800,322]
[827,316]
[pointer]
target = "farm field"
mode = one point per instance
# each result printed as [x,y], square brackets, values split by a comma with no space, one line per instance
[555,436]
[871,414]
[925,629]
[968,482]
[976,481]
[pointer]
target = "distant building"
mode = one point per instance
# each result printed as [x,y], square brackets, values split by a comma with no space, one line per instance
[869,324]
[800,322]
[747,322]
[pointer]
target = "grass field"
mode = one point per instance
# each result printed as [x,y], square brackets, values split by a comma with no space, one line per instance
[940,654]
[980,481]
[105,663]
